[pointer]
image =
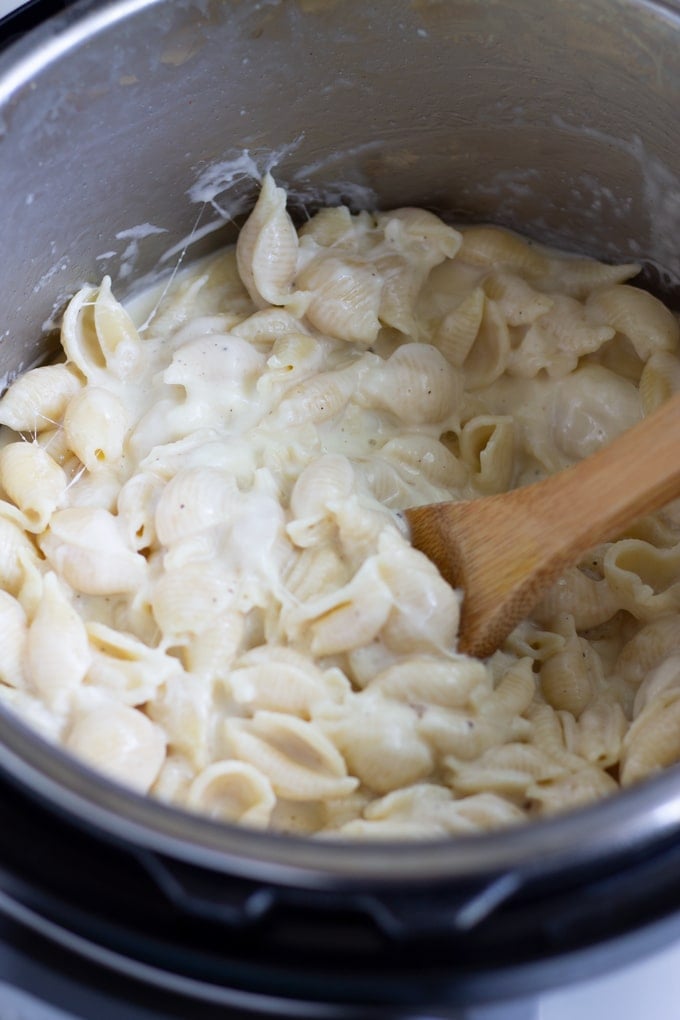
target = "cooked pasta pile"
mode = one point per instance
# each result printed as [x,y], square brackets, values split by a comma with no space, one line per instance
[208,590]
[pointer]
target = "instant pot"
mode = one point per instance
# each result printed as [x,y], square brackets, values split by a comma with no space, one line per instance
[132,136]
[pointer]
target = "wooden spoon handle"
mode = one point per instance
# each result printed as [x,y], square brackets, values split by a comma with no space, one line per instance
[635,474]
[505,550]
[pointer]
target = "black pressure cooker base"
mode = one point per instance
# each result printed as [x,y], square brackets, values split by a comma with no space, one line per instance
[103,929]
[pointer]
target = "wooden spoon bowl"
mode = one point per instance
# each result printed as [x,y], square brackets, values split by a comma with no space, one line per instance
[504,551]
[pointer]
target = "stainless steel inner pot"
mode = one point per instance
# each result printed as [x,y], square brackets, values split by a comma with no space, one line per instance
[132,134]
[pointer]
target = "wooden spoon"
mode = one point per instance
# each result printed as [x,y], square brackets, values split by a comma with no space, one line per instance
[504,551]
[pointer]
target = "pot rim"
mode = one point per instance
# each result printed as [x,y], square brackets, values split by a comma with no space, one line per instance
[625,823]
[635,819]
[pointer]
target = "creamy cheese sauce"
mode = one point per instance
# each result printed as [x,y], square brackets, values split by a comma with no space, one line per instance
[207,587]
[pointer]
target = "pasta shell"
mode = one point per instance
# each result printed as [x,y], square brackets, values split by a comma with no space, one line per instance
[31,587]
[379,741]
[416,384]
[495,247]
[299,761]
[184,710]
[519,303]
[124,666]
[345,298]
[194,501]
[419,234]
[618,355]
[315,572]
[343,619]
[649,325]
[601,729]
[233,791]
[211,653]
[529,640]
[330,227]
[173,780]
[217,376]
[490,353]
[58,653]
[504,771]
[387,829]
[482,812]
[402,285]
[33,712]
[215,285]
[79,336]
[547,733]
[188,599]
[121,742]
[577,277]
[487,446]
[295,352]
[419,456]
[285,454]
[309,817]
[95,425]
[36,400]
[98,489]
[584,786]
[514,693]
[327,479]
[13,639]
[360,529]
[99,336]
[293,358]
[567,679]
[660,379]
[458,330]
[33,481]
[653,643]
[16,549]
[53,442]
[418,802]
[460,816]
[316,399]
[645,579]
[557,339]
[425,611]
[386,483]
[116,334]
[590,408]
[283,681]
[85,546]
[136,509]
[365,663]
[653,741]
[270,326]
[465,734]
[425,680]
[658,684]
[590,602]
[266,250]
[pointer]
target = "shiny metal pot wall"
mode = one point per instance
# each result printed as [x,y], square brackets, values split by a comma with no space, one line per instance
[132,132]
[123,127]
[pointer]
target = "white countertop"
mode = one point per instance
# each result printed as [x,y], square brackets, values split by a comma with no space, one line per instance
[648,990]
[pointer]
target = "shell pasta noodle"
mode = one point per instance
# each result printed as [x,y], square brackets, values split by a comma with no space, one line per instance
[207,590]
